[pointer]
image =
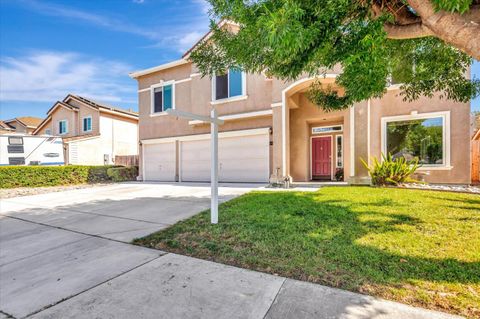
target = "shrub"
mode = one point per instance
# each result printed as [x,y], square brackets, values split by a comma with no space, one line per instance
[121,174]
[37,176]
[391,171]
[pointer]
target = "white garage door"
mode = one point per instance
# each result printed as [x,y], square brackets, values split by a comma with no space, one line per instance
[159,161]
[241,159]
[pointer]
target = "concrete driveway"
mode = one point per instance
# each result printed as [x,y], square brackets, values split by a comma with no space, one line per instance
[65,255]
[57,245]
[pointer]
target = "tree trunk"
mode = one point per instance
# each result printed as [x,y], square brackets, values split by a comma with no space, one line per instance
[461,31]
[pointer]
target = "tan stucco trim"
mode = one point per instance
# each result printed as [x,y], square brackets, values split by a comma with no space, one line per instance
[236,116]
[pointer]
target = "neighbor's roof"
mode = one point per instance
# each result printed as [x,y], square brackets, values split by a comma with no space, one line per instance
[185,56]
[5,126]
[28,121]
[99,105]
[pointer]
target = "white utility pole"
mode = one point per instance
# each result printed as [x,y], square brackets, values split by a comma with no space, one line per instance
[214,122]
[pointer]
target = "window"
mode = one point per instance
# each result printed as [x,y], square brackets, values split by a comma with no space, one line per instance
[87,124]
[48,132]
[163,98]
[327,129]
[16,161]
[62,127]
[418,136]
[339,151]
[229,85]
[15,140]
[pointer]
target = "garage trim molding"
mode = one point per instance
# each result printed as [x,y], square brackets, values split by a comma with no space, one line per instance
[256,131]
[237,116]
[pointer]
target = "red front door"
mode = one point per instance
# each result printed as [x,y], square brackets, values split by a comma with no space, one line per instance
[321,157]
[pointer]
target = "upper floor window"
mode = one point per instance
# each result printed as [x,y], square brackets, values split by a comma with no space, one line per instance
[163,97]
[418,136]
[229,85]
[62,127]
[87,124]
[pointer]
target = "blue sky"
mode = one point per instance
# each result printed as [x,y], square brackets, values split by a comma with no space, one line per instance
[51,48]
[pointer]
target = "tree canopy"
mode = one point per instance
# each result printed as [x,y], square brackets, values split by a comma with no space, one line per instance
[374,41]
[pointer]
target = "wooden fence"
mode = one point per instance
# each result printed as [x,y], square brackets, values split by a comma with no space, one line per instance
[126,160]
[475,147]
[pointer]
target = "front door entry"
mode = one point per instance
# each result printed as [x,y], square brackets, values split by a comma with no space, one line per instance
[321,157]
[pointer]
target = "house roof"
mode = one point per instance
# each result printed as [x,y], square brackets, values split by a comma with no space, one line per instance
[5,126]
[99,105]
[30,121]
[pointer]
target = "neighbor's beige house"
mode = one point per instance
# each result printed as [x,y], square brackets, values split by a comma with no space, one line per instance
[93,133]
[273,131]
[23,124]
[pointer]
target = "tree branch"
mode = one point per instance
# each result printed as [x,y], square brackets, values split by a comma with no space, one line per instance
[409,31]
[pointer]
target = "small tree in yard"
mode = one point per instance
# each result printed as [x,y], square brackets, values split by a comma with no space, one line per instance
[427,45]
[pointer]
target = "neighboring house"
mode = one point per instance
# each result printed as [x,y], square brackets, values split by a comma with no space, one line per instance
[93,133]
[24,124]
[273,131]
[5,128]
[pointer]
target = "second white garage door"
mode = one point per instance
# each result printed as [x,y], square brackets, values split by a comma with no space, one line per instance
[241,159]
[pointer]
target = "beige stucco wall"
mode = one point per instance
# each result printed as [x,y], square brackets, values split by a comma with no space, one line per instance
[85,111]
[62,113]
[194,94]
[392,104]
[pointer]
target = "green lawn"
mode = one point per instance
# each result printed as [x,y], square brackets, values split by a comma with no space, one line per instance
[416,247]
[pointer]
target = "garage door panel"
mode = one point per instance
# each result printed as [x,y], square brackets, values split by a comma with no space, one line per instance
[241,159]
[159,162]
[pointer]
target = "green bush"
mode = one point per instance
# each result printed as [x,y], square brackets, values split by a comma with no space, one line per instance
[37,176]
[391,171]
[122,174]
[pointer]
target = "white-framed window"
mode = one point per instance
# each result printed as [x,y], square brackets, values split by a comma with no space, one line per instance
[327,129]
[162,97]
[229,85]
[339,150]
[87,124]
[424,136]
[48,131]
[62,127]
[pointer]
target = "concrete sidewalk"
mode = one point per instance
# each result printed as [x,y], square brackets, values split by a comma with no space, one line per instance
[65,255]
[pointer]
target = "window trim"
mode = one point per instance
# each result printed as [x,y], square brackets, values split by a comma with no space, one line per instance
[336,150]
[66,127]
[91,123]
[229,98]
[446,147]
[152,96]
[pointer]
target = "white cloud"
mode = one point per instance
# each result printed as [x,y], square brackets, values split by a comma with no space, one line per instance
[204,5]
[138,1]
[50,76]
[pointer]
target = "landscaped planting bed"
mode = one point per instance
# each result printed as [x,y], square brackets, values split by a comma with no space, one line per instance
[413,246]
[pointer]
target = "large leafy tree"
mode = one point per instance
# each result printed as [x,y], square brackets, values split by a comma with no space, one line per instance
[427,45]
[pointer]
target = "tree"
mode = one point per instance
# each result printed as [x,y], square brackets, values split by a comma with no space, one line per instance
[427,45]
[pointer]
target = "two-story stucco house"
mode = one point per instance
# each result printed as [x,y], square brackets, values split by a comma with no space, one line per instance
[272,130]
[93,133]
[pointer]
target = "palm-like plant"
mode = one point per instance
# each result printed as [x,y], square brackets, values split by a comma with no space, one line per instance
[391,171]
